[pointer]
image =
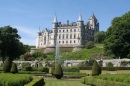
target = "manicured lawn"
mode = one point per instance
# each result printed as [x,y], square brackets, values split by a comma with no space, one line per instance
[63,82]
[108,72]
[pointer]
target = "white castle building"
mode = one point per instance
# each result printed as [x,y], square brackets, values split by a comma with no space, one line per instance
[73,35]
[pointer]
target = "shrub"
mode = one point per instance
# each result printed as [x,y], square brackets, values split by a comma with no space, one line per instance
[58,72]
[83,80]
[36,82]
[71,69]
[52,68]
[44,69]
[14,68]
[89,45]
[7,65]
[96,69]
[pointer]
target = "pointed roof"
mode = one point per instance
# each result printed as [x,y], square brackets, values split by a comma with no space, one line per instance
[55,18]
[80,17]
[93,17]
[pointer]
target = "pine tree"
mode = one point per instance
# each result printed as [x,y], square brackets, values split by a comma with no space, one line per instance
[14,68]
[96,69]
[7,65]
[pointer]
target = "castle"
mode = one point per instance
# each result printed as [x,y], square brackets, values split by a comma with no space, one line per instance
[72,35]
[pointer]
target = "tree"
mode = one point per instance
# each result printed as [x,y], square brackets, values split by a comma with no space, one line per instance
[10,45]
[89,45]
[58,72]
[39,54]
[117,43]
[100,36]
[96,69]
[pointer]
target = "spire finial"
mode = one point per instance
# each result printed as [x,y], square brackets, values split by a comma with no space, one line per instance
[80,17]
[55,18]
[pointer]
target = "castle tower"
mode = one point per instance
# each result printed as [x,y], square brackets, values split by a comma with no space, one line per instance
[80,21]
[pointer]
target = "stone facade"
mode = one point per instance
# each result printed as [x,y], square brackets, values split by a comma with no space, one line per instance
[75,34]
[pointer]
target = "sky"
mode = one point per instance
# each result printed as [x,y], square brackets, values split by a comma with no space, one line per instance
[30,15]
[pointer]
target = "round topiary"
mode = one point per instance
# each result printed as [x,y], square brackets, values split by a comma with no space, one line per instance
[7,65]
[58,72]
[96,69]
[14,68]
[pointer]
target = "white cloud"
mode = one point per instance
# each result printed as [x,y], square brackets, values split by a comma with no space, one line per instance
[28,35]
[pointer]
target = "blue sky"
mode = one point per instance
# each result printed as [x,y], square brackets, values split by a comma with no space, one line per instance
[28,15]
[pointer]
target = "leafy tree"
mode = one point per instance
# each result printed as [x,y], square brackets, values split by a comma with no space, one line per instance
[100,36]
[117,42]
[39,54]
[96,69]
[89,45]
[10,45]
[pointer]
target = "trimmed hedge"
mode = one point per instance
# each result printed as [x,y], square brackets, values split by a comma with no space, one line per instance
[9,79]
[71,69]
[36,82]
[105,68]
[107,80]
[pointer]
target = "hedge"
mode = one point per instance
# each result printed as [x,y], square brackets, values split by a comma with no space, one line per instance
[107,80]
[106,68]
[39,81]
[9,79]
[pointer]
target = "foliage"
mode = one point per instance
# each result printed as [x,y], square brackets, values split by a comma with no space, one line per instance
[39,54]
[89,45]
[100,36]
[44,69]
[27,57]
[70,69]
[14,68]
[58,72]
[109,80]
[10,42]
[7,79]
[36,82]
[52,68]
[96,69]
[7,65]
[110,64]
[117,43]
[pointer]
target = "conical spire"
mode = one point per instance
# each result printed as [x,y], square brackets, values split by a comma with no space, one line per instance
[80,17]
[55,18]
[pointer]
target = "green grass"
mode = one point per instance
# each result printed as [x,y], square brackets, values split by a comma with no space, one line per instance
[63,82]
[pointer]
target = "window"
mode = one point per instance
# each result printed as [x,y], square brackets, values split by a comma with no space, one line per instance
[59,30]
[63,30]
[63,36]
[59,36]
[74,36]
[59,42]
[70,30]
[74,30]
[70,41]
[74,41]
[67,30]
[70,36]
[66,41]
[66,36]
[63,42]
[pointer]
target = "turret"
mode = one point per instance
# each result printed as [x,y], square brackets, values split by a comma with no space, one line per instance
[55,23]
[80,21]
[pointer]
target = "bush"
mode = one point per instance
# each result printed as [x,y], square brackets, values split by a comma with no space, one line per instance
[71,69]
[14,68]
[52,68]
[83,80]
[44,69]
[7,65]
[96,69]
[58,72]
[36,82]
[89,45]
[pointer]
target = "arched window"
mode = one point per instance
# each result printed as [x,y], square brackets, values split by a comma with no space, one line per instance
[66,36]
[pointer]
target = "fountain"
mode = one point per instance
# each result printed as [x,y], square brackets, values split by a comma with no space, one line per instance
[57,52]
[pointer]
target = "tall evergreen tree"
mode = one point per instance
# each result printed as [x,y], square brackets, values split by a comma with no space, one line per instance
[96,69]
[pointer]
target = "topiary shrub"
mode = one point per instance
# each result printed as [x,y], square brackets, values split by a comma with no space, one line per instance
[52,68]
[14,68]
[7,65]
[58,72]
[96,69]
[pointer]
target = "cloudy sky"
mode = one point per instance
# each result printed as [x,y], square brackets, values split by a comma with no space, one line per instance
[28,15]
